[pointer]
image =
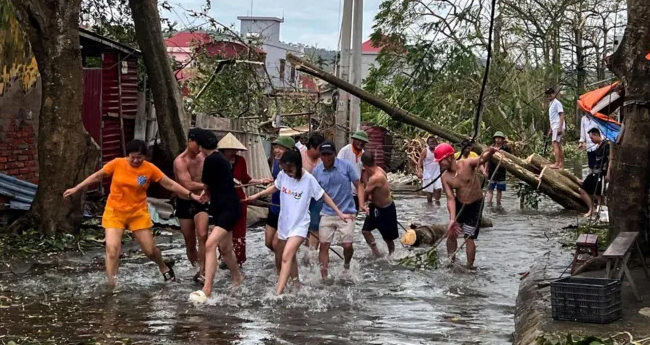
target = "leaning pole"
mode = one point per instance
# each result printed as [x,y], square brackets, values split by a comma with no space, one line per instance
[560,186]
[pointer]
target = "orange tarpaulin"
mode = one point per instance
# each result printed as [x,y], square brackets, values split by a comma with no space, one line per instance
[588,100]
[648,56]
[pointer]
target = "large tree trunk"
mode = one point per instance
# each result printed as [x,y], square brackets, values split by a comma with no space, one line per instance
[552,183]
[172,122]
[66,152]
[628,191]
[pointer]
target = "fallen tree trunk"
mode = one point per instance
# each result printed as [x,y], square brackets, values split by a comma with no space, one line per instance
[538,162]
[555,185]
[428,235]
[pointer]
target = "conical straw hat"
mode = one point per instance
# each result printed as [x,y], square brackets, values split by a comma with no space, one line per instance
[229,141]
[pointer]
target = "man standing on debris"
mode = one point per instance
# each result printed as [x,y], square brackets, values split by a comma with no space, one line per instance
[310,159]
[429,170]
[352,154]
[466,205]
[556,118]
[498,177]
[382,214]
[336,176]
[192,215]
[594,183]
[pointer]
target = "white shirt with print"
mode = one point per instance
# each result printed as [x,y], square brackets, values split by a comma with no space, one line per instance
[348,155]
[554,110]
[295,197]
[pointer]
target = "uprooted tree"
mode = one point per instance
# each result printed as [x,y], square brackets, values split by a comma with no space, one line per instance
[66,152]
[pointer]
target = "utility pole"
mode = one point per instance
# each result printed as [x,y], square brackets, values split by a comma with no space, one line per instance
[357,41]
[341,120]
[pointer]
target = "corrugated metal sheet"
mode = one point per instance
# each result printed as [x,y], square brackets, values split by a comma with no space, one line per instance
[20,193]
[376,136]
[91,113]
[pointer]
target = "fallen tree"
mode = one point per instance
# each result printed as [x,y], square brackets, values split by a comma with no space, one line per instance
[428,235]
[553,183]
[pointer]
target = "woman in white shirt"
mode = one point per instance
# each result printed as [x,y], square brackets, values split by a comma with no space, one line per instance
[297,187]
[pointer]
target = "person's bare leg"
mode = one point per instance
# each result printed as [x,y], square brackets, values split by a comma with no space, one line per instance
[211,245]
[429,197]
[348,251]
[561,152]
[587,199]
[113,247]
[189,234]
[437,194]
[556,155]
[288,259]
[313,239]
[498,197]
[452,245]
[370,239]
[324,258]
[269,233]
[201,223]
[391,247]
[278,248]
[149,248]
[470,250]
[228,256]
[489,195]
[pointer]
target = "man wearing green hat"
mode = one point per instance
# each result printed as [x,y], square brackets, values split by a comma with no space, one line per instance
[498,179]
[352,154]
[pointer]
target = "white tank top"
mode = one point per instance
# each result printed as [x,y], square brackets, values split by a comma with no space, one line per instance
[431,167]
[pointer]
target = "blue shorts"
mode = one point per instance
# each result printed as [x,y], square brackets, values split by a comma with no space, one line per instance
[499,185]
[315,206]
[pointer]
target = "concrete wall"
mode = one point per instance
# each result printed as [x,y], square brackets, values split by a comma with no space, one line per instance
[367,60]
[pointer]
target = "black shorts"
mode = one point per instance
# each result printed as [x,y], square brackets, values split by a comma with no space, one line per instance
[272,219]
[591,158]
[469,216]
[356,202]
[383,219]
[593,185]
[225,217]
[187,209]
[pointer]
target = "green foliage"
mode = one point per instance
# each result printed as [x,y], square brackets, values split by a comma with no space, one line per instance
[528,196]
[571,233]
[422,260]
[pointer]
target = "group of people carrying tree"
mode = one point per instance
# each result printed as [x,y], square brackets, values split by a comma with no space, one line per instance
[315,194]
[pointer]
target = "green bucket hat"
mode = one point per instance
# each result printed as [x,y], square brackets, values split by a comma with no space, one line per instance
[287,142]
[499,134]
[360,135]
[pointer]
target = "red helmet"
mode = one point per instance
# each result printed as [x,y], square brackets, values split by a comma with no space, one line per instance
[443,151]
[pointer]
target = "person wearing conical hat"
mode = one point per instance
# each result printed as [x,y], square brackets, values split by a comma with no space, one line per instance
[352,154]
[498,177]
[230,146]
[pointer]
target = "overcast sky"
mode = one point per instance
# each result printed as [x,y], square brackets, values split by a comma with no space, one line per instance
[311,22]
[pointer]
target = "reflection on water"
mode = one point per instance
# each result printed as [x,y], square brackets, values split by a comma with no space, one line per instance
[376,302]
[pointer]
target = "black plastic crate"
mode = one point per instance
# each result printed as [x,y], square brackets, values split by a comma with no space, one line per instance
[588,300]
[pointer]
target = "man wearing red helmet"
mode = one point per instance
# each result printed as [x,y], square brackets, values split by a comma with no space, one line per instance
[466,205]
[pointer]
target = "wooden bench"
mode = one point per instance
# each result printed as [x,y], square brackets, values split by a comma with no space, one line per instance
[620,250]
[586,244]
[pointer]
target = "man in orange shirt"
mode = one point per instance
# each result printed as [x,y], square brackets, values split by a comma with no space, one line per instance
[127,208]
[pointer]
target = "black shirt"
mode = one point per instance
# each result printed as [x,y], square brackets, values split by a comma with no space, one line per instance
[602,158]
[217,175]
[500,175]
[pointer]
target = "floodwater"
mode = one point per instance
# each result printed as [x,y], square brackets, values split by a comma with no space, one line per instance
[376,302]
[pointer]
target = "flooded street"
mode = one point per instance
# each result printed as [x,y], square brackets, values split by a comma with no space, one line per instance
[377,302]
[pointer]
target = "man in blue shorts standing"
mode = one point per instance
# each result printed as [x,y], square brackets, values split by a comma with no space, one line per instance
[497,177]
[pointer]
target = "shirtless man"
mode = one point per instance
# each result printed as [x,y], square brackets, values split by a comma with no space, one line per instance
[466,206]
[193,216]
[382,214]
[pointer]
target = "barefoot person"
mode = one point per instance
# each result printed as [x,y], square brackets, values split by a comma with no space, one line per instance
[466,205]
[310,159]
[337,177]
[556,118]
[382,214]
[192,215]
[498,177]
[224,209]
[429,170]
[594,183]
[127,208]
[297,188]
[230,146]
[352,154]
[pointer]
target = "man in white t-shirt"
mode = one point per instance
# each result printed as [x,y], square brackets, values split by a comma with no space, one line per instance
[558,125]
[586,124]
[352,154]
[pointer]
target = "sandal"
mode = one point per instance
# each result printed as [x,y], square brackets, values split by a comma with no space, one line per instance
[199,278]
[169,275]
[198,296]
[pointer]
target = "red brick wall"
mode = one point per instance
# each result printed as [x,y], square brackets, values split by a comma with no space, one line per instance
[18,157]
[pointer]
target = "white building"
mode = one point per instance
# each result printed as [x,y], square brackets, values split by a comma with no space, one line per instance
[369,55]
[267,29]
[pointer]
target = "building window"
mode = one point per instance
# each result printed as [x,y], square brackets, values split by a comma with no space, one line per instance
[292,78]
[282,67]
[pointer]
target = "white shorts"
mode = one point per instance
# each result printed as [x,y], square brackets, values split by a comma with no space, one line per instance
[329,225]
[434,186]
[555,136]
[297,232]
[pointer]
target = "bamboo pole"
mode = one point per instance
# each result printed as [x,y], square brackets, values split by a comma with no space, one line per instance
[552,183]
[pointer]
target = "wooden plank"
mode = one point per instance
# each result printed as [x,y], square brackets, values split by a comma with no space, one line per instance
[621,245]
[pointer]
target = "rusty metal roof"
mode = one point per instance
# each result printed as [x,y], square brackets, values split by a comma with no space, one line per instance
[20,193]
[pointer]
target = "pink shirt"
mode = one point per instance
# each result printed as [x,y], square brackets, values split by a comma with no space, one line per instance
[307,163]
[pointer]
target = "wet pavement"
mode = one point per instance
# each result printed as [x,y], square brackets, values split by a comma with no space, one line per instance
[376,302]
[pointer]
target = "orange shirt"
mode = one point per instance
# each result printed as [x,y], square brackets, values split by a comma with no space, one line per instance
[307,163]
[129,184]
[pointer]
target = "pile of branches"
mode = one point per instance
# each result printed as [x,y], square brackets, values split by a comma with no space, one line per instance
[413,148]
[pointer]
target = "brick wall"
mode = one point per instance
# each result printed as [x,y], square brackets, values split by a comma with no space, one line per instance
[19,111]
